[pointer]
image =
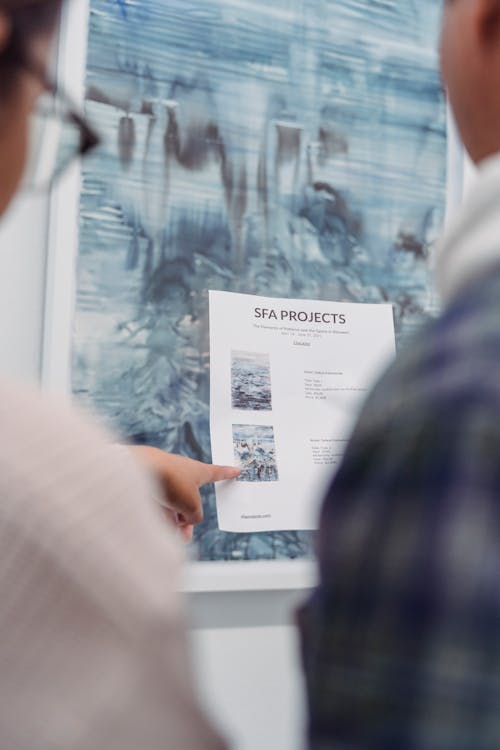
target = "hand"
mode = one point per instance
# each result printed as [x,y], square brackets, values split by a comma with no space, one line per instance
[180,478]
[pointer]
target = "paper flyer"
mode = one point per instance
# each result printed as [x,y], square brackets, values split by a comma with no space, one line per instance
[287,379]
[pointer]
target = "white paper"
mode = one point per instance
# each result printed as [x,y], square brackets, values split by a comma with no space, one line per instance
[287,379]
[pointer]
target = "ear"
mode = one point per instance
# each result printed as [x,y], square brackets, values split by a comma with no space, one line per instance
[5,29]
[486,20]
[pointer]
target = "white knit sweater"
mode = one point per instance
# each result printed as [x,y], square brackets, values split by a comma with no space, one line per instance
[92,652]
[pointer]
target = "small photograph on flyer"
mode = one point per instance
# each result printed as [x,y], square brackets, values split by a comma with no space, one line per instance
[255,452]
[250,381]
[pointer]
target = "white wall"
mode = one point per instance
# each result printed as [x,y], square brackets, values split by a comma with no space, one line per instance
[246,650]
[22,276]
[245,653]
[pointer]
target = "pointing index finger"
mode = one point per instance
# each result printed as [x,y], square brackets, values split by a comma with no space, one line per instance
[219,473]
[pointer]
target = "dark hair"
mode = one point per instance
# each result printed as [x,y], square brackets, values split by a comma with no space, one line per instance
[29,19]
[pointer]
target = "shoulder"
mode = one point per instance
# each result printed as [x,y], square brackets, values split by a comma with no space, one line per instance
[80,504]
[45,441]
[449,368]
[433,420]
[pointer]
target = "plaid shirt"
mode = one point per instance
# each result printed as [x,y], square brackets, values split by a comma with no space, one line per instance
[401,640]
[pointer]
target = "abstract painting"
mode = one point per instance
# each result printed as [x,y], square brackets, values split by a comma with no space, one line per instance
[251,381]
[255,452]
[293,148]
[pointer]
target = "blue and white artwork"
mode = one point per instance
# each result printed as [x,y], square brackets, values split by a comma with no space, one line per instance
[251,381]
[255,452]
[292,148]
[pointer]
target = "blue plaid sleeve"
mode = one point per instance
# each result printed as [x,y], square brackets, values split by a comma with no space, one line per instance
[401,640]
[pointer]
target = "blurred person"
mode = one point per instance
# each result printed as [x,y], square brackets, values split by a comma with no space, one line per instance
[92,647]
[401,639]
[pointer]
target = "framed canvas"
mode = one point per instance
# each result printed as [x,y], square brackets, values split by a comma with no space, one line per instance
[296,149]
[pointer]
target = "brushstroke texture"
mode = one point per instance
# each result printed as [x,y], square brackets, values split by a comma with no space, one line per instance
[288,148]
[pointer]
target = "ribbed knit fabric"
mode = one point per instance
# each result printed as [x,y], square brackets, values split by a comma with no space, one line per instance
[92,649]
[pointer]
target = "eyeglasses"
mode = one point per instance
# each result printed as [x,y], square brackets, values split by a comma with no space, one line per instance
[57,134]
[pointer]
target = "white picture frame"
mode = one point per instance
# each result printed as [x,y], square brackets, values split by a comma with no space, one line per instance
[59,308]
[62,234]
